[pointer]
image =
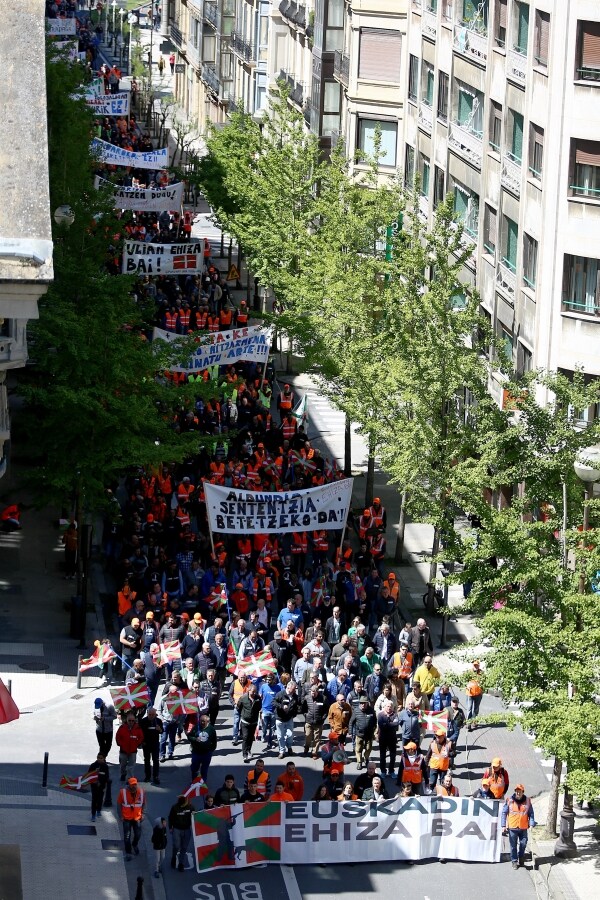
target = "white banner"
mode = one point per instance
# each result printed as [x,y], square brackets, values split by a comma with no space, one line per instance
[307,832]
[146,199]
[162,259]
[61,26]
[232,511]
[110,104]
[70,46]
[252,342]
[118,156]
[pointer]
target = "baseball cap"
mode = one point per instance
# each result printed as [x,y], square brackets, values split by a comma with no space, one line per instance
[150,615]
[485,780]
[333,736]
[411,746]
[496,761]
[132,781]
[98,702]
[519,787]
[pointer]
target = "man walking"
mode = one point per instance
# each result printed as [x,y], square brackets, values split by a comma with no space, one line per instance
[517,819]
[152,728]
[249,706]
[287,706]
[180,825]
[104,717]
[130,738]
[132,803]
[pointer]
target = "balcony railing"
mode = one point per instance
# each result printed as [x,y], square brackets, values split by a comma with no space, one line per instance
[296,88]
[511,174]
[293,12]
[424,206]
[417,5]
[232,104]
[429,23]
[588,73]
[506,279]
[517,66]
[471,43]
[425,117]
[583,307]
[242,48]
[467,143]
[176,35]
[341,67]
[306,110]
[210,78]
[194,56]
[212,14]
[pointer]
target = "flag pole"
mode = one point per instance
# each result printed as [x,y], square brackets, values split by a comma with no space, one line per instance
[212,541]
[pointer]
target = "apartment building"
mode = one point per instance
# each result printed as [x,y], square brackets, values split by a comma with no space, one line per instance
[503,109]
[290,51]
[25,226]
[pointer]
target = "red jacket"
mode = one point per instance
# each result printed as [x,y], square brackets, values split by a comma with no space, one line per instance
[129,739]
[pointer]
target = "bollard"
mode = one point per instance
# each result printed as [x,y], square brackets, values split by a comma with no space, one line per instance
[108,795]
[222,250]
[79,661]
[139,894]
[9,686]
[45,773]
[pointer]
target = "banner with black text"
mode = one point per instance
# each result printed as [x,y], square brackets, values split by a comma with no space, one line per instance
[232,511]
[145,199]
[250,343]
[61,27]
[327,831]
[110,104]
[140,258]
[118,156]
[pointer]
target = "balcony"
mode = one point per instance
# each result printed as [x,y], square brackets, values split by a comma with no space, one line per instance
[176,35]
[341,67]
[244,50]
[429,23]
[194,56]
[425,117]
[466,143]
[212,15]
[506,279]
[417,5]
[307,111]
[511,174]
[295,88]
[517,66]
[210,78]
[293,12]
[473,44]
[423,206]
[232,104]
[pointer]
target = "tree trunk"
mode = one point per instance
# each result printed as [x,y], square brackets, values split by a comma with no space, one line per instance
[347,447]
[369,487]
[553,803]
[401,527]
[433,572]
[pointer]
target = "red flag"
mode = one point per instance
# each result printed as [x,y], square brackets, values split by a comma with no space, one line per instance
[102,654]
[76,784]
[198,788]
[9,711]
[185,261]
[257,666]
[130,696]
[434,720]
[182,703]
[169,652]
[231,658]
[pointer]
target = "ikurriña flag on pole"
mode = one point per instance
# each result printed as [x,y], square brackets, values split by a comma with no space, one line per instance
[130,696]
[76,784]
[102,654]
[198,788]
[257,666]
[213,839]
[166,653]
[231,658]
[262,822]
[434,720]
[182,703]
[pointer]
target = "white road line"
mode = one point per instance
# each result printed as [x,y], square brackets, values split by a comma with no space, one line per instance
[291,885]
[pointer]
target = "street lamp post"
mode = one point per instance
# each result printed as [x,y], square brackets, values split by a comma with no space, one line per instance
[587,469]
[114,7]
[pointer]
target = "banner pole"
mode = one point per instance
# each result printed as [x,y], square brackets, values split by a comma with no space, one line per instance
[212,542]
[342,542]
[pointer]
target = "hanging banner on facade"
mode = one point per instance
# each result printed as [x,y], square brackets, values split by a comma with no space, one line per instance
[232,511]
[145,199]
[251,343]
[110,104]
[61,27]
[118,156]
[307,833]
[162,259]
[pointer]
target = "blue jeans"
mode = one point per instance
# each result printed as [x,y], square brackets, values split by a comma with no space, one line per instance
[268,719]
[473,704]
[236,724]
[518,843]
[285,735]
[200,762]
[169,733]
[181,838]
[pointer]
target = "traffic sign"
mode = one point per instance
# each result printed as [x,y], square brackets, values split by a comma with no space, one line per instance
[233,274]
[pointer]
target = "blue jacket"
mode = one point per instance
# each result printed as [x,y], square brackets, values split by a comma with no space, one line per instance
[439,701]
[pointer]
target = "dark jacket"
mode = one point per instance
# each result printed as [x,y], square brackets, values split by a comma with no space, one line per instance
[410,727]
[224,796]
[314,709]
[102,769]
[181,816]
[159,835]
[152,729]
[208,745]
[287,706]
[365,722]
[415,641]
[249,709]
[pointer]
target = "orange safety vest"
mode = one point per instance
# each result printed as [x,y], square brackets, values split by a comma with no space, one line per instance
[497,783]
[244,548]
[165,484]
[201,319]
[185,491]
[439,756]
[299,542]
[285,401]
[170,321]
[412,771]
[268,586]
[226,316]
[213,323]
[364,523]
[394,589]
[182,516]
[378,546]
[288,429]
[184,319]
[242,316]
[403,664]
[126,601]
[518,814]
[239,690]
[473,688]
[377,516]
[441,791]
[261,781]
[320,541]
[132,808]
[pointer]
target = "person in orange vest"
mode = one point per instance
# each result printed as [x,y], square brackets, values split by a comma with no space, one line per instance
[378,513]
[365,524]
[261,777]
[244,549]
[280,795]
[241,318]
[474,692]
[499,780]
[213,322]
[320,543]
[378,549]
[263,587]
[132,804]
[438,757]
[170,321]
[183,319]
[399,671]
[447,788]
[517,818]
[413,768]
[202,318]
[292,781]
[226,318]
[185,490]
[285,402]
[165,483]
[391,583]
[126,599]
[299,549]
[239,599]
[289,426]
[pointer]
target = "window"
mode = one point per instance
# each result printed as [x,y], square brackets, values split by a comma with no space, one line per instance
[524,359]
[413,77]
[475,13]
[427,82]
[447,10]
[331,108]
[496,126]
[439,185]
[521,28]
[490,228]
[516,137]
[505,341]
[469,109]
[425,170]
[536,150]
[367,129]
[409,166]
[530,252]
[581,285]
[510,243]
[585,166]
[334,33]
[442,100]
[466,208]
[541,38]
[500,24]
[588,55]
[379,56]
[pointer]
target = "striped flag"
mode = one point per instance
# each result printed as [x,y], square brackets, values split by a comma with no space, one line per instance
[130,696]
[165,653]
[257,666]
[213,839]
[262,824]
[301,410]
[433,720]
[198,788]
[182,703]
[232,658]
[102,654]
[76,784]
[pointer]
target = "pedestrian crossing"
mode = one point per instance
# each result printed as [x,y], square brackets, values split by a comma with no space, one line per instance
[546,763]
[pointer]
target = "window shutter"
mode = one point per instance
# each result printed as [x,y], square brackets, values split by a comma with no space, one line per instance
[380,55]
[543,37]
[502,16]
[492,226]
[590,45]
[587,153]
